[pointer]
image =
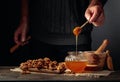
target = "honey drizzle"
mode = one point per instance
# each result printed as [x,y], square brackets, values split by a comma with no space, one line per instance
[76,44]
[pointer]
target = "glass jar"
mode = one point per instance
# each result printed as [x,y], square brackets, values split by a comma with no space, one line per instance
[76,62]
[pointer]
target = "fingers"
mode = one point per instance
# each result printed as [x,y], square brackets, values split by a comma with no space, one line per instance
[88,15]
[24,32]
[19,36]
[20,33]
[23,37]
[95,15]
[16,39]
[26,41]
[99,21]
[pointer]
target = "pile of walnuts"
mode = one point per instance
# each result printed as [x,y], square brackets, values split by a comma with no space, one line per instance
[43,63]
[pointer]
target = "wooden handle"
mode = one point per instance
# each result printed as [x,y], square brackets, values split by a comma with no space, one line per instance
[77,30]
[109,61]
[16,46]
[102,46]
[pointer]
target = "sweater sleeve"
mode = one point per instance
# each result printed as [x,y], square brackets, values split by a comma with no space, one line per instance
[103,2]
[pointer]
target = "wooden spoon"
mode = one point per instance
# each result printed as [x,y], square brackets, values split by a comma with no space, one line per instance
[77,30]
[109,61]
[102,46]
[16,46]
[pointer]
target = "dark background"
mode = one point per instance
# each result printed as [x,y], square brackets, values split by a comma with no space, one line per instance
[110,30]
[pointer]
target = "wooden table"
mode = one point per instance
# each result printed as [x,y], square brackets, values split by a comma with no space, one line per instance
[7,75]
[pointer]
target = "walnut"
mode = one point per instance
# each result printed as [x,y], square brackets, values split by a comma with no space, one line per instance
[44,63]
[53,65]
[61,67]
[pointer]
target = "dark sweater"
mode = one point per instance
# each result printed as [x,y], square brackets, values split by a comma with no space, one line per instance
[52,21]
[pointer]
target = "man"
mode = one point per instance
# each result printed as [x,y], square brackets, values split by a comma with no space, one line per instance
[51,23]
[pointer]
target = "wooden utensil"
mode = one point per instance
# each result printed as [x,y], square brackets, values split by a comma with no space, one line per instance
[102,46]
[77,30]
[16,46]
[109,61]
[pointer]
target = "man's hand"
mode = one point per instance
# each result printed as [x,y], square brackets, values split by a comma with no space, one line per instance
[21,33]
[95,13]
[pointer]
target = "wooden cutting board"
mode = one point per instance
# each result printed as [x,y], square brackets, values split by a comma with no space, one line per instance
[36,70]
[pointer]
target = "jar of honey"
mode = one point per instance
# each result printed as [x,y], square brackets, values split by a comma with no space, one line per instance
[76,62]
